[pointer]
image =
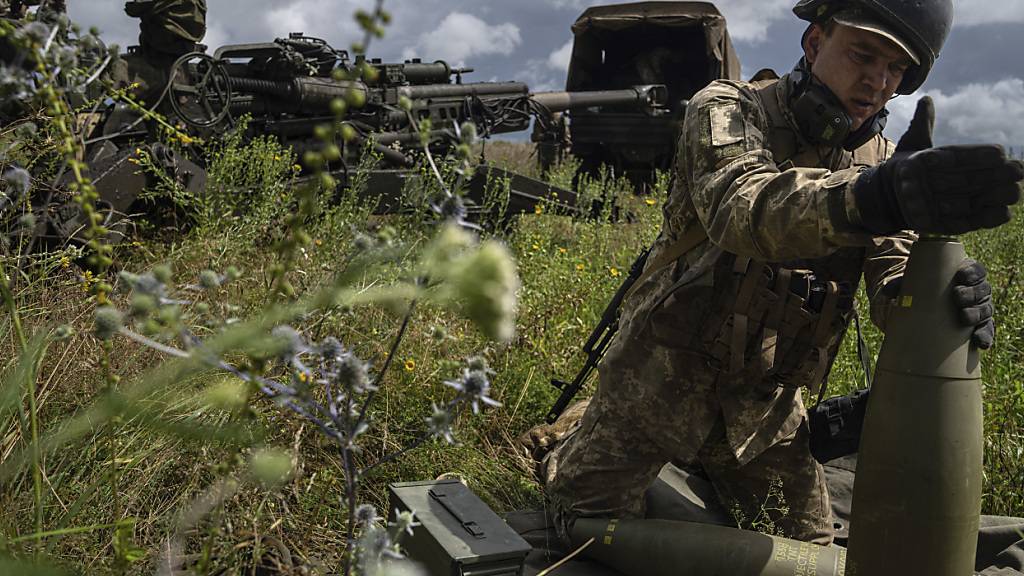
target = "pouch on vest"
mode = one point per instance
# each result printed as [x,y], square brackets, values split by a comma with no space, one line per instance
[783,327]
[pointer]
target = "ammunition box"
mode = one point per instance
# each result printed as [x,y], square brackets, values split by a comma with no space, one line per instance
[458,534]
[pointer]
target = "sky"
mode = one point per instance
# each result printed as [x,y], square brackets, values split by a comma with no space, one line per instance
[977,83]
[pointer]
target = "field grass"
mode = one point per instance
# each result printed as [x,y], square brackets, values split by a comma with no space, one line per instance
[144,469]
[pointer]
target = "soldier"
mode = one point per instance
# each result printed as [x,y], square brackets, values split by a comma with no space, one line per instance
[12,9]
[785,194]
[17,9]
[168,29]
[552,139]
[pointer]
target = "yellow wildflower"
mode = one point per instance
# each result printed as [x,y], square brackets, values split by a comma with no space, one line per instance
[536,247]
[538,209]
[318,242]
[303,377]
[580,267]
[65,262]
[614,272]
[563,250]
[87,280]
[410,365]
[650,201]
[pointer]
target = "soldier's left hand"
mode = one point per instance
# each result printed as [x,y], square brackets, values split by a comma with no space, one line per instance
[973,296]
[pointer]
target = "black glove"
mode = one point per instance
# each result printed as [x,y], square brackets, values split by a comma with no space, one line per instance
[973,295]
[939,190]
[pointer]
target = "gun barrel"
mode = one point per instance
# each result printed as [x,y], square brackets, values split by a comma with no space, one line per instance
[314,94]
[652,96]
[460,90]
[438,72]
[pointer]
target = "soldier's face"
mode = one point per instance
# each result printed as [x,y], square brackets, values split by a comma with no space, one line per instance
[862,68]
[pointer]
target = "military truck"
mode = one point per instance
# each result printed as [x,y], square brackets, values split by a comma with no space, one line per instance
[682,45]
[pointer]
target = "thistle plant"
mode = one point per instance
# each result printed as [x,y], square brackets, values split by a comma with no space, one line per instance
[46,69]
[325,382]
[268,355]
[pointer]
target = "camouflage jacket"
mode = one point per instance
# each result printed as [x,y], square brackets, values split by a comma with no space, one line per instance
[770,204]
[171,27]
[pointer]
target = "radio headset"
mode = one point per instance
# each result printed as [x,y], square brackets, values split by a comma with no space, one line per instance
[820,114]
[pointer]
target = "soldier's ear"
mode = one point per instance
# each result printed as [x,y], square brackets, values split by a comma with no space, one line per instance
[812,40]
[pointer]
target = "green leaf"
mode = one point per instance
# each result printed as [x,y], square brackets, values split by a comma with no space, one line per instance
[17,378]
[11,566]
[124,548]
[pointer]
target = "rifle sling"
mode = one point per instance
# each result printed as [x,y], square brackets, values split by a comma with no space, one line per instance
[688,241]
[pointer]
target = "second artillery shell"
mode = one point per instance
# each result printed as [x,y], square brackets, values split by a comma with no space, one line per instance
[917,496]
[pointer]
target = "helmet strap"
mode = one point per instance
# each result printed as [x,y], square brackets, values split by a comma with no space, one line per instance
[820,115]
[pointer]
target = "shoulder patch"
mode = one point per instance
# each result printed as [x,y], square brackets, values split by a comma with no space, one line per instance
[727,125]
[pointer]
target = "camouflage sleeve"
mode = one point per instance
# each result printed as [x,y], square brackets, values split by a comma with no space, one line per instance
[745,203]
[885,261]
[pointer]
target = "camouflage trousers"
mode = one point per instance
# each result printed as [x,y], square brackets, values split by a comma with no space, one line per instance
[656,405]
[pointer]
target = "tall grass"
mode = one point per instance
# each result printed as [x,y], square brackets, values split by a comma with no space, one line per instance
[568,267]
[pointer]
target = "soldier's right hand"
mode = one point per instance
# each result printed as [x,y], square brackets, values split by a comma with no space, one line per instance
[938,190]
[540,440]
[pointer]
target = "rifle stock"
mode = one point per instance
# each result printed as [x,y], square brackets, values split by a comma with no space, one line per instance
[598,341]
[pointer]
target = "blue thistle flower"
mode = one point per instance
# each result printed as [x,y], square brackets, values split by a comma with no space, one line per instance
[405,521]
[439,424]
[474,387]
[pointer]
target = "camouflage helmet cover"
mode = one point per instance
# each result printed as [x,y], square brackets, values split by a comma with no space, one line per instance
[923,24]
[169,26]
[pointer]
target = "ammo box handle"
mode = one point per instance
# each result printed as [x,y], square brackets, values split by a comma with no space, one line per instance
[470,525]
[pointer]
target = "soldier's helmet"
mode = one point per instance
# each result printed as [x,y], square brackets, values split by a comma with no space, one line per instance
[918,26]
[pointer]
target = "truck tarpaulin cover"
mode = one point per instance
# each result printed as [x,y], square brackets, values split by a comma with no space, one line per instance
[596,27]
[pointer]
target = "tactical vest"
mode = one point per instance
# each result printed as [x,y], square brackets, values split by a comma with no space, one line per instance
[773,324]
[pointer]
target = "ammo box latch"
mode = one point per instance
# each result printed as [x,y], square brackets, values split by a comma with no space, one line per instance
[457,535]
[470,525]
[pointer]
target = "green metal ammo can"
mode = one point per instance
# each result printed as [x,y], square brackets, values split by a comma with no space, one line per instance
[458,534]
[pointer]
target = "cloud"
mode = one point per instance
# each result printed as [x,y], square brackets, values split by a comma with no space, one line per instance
[748,20]
[292,18]
[460,36]
[978,12]
[973,113]
[536,73]
[559,59]
[236,22]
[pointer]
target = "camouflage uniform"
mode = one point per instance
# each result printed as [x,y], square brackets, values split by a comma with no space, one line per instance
[48,12]
[171,27]
[168,29]
[714,346]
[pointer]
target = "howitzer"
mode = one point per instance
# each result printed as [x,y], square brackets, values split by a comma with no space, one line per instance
[288,86]
[287,89]
[598,342]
